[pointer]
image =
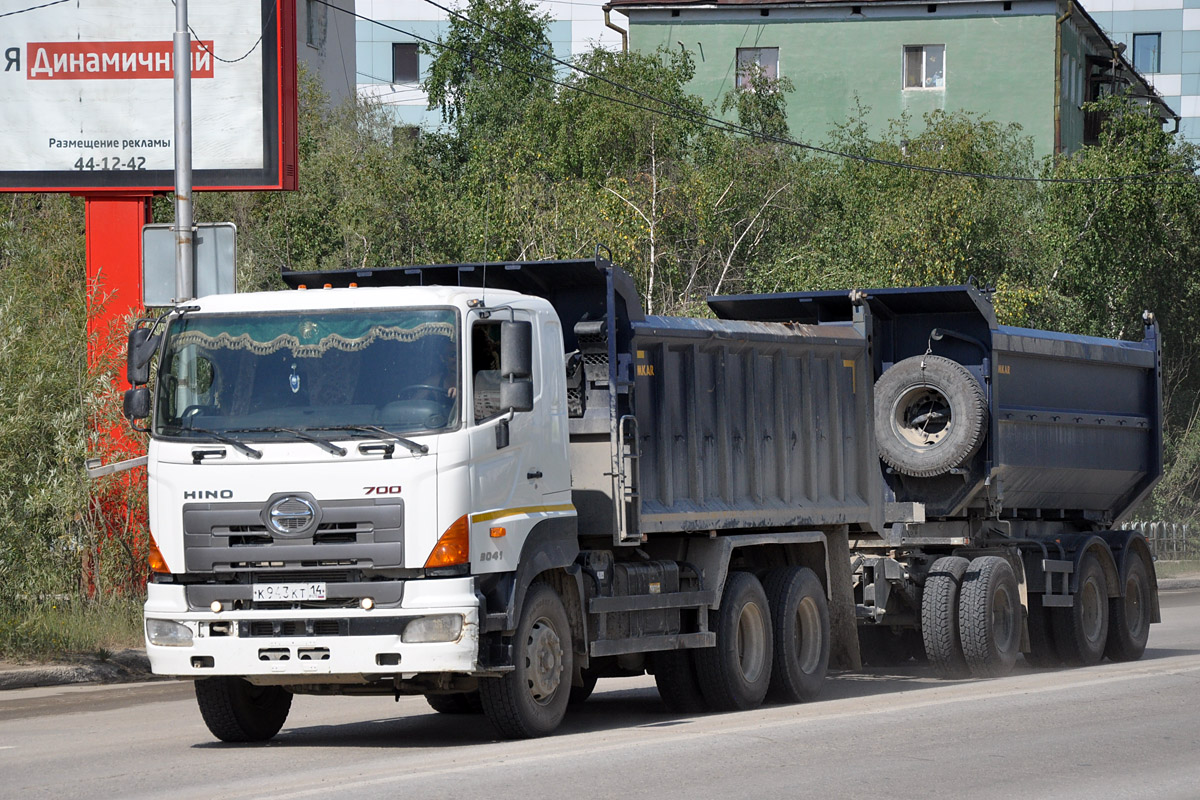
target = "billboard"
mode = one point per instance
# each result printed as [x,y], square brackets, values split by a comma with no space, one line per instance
[88,96]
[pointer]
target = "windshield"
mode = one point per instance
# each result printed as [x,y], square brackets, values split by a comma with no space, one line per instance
[395,369]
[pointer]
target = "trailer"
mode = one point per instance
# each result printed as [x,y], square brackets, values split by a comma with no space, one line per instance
[495,484]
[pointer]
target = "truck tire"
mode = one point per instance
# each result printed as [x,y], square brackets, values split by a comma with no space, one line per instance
[989,617]
[236,710]
[930,415]
[736,673]
[1081,632]
[1042,652]
[532,699]
[800,624]
[461,703]
[939,616]
[678,686]
[1129,616]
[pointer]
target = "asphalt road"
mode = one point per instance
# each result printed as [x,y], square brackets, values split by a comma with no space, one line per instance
[1115,730]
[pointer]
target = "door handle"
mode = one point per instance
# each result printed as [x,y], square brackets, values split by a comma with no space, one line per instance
[533,476]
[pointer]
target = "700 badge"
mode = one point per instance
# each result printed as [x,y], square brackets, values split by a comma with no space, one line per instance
[114,163]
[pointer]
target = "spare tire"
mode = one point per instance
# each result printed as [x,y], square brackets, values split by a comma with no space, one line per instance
[930,415]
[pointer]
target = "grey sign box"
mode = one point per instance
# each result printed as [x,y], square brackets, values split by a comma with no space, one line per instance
[214,261]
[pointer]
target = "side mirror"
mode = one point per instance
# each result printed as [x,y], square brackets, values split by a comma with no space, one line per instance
[516,349]
[141,348]
[137,403]
[516,395]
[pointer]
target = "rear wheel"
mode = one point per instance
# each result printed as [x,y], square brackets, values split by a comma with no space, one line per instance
[678,686]
[736,673]
[989,617]
[532,699]
[236,710]
[1129,616]
[800,625]
[939,616]
[1080,632]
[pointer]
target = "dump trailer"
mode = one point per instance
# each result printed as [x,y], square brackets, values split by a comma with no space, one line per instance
[1010,458]
[494,484]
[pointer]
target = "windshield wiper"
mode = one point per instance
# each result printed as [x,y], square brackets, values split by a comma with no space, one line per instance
[415,447]
[223,439]
[324,444]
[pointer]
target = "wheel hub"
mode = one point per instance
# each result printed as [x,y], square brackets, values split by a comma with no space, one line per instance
[543,661]
[922,417]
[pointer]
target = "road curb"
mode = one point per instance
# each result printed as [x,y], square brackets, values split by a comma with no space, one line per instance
[126,666]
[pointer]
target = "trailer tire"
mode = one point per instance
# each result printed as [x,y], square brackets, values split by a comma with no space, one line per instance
[930,415]
[532,700]
[939,616]
[736,673]
[1081,631]
[989,617]
[800,627]
[1129,615]
[236,710]
[461,703]
[678,686]
[1042,652]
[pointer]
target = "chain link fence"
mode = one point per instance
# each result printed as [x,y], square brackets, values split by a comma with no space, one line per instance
[1170,541]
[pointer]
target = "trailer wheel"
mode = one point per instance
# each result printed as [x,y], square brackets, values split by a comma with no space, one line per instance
[736,673]
[939,617]
[800,626]
[461,703]
[678,685]
[989,617]
[1081,632]
[532,699]
[236,710]
[1042,652]
[1129,616]
[930,415]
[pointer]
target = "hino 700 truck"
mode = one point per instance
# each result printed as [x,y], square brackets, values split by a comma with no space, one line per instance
[494,484]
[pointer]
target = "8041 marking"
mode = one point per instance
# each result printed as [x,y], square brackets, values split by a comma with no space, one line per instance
[491,555]
[381,489]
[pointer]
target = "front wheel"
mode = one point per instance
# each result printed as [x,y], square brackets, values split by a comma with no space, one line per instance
[736,673]
[532,699]
[236,710]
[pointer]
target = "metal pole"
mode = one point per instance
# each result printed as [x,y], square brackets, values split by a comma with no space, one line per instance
[183,154]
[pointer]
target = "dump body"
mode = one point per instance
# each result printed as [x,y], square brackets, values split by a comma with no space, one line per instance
[1073,422]
[752,424]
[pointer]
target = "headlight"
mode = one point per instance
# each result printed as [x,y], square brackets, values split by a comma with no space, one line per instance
[166,633]
[439,628]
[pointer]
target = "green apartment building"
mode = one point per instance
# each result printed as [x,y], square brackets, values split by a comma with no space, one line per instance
[1033,62]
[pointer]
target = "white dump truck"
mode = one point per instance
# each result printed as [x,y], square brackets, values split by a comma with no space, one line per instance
[493,484]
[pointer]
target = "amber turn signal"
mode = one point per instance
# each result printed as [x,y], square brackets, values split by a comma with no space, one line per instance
[158,564]
[454,546]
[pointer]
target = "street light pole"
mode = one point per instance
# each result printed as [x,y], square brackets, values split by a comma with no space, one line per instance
[183,154]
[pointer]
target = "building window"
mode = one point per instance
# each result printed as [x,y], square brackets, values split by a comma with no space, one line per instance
[405,67]
[1147,52]
[315,22]
[750,59]
[925,66]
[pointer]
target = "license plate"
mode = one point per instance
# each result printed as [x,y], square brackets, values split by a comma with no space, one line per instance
[284,592]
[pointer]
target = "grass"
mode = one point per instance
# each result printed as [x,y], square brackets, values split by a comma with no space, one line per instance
[70,629]
[1177,569]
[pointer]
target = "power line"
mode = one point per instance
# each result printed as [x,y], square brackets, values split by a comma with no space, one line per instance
[33,8]
[266,21]
[706,120]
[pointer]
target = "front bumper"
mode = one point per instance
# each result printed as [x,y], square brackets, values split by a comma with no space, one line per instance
[310,658]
